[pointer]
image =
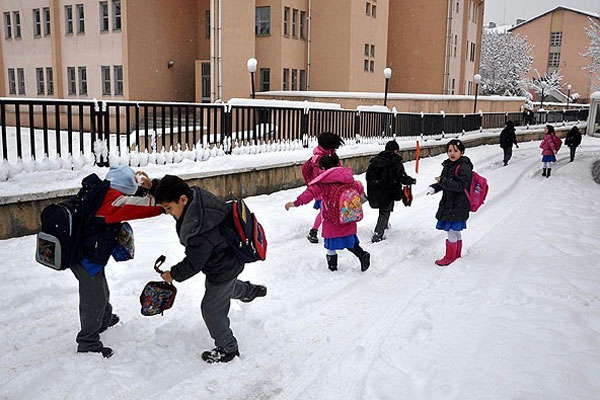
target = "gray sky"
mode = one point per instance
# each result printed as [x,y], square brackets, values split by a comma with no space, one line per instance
[507,11]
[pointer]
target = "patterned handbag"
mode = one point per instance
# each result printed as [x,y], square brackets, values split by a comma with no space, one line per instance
[157,296]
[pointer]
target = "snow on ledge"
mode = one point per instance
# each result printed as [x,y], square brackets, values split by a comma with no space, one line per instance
[391,96]
[283,103]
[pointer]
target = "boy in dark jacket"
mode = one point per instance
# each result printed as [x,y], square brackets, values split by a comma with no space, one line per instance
[198,214]
[508,137]
[105,207]
[385,177]
[573,140]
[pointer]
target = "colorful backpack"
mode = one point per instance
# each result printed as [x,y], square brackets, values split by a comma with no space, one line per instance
[343,204]
[125,248]
[157,296]
[244,233]
[477,191]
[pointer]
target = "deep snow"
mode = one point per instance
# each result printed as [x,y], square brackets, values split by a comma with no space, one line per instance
[518,317]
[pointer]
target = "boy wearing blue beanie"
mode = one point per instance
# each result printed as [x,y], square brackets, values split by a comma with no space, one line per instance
[105,207]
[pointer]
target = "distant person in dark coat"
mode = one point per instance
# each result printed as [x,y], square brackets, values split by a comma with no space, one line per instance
[573,140]
[507,139]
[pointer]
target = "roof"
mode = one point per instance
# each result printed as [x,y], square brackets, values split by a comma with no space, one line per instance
[588,13]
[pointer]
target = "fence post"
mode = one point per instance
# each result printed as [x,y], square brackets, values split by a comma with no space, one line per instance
[357,126]
[480,121]
[304,127]
[226,127]
[443,123]
[422,123]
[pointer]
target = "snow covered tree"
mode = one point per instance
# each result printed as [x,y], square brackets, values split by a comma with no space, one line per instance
[505,61]
[543,84]
[593,49]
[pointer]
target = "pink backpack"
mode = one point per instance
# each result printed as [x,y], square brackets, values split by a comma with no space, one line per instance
[307,171]
[343,205]
[477,191]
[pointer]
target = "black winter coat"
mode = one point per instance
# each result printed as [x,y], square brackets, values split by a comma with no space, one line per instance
[508,137]
[454,205]
[206,249]
[573,138]
[385,176]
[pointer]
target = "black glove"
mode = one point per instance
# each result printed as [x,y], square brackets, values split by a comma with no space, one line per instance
[414,181]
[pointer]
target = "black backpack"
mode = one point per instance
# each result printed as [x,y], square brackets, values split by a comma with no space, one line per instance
[59,240]
[382,187]
[244,233]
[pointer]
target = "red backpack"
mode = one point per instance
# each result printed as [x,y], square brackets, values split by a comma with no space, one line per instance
[244,233]
[477,191]
[343,204]
[307,171]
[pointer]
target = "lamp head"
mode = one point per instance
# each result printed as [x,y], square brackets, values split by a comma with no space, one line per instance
[569,86]
[251,64]
[170,63]
[477,78]
[387,73]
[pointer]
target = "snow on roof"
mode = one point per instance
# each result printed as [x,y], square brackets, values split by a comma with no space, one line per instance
[498,29]
[588,13]
[390,96]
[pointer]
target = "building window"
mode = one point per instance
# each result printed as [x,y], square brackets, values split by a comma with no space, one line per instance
[372,66]
[286,79]
[294,79]
[263,21]
[372,50]
[302,79]
[37,23]
[295,23]
[39,76]
[205,82]
[116,6]
[475,9]
[555,38]
[49,81]
[368,8]
[80,19]
[455,44]
[71,81]
[46,21]
[207,23]
[7,27]
[118,70]
[302,23]
[374,11]
[366,50]
[553,59]
[457,5]
[286,21]
[17,18]
[265,79]
[467,51]
[104,16]
[453,83]
[472,52]
[12,82]
[105,71]
[68,20]
[366,66]
[82,80]
[21,80]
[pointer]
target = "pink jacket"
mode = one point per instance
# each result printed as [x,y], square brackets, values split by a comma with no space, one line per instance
[319,188]
[550,144]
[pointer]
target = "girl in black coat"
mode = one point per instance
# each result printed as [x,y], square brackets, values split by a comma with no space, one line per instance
[508,137]
[573,140]
[454,208]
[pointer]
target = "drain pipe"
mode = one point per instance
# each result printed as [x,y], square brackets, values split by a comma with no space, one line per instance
[220,58]
[448,48]
[309,24]
[212,52]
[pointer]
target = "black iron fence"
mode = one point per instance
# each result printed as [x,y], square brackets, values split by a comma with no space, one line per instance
[42,127]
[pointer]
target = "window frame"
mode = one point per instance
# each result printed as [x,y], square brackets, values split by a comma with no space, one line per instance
[17,24]
[37,23]
[265,85]
[302,80]
[554,59]
[7,26]
[106,80]
[118,78]
[71,81]
[80,18]
[294,79]
[82,79]
[286,21]
[104,18]
[372,50]
[260,23]
[286,79]
[556,39]
[302,24]
[47,23]
[374,11]
[207,24]
[12,81]
[39,77]
[69,19]
[295,23]
[368,9]
[21,81]
[49,81]
[366,65]
[117,16]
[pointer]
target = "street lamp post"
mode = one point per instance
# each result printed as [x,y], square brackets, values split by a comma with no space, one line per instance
[251,65]
[476,79]
[569,87]
[387,74]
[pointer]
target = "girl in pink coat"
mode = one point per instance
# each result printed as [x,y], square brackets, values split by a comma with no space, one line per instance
[549,146]
[328,144]
[336,237]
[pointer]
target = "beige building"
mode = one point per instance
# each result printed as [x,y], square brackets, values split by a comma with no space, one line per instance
[196,50]
[560,40]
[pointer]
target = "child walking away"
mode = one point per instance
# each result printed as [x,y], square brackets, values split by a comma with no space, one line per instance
[341,208]
[508,137]
[573,140]
[198,214]
[453,211]
[550,146]
[328,144]
[385,177]
[108,204]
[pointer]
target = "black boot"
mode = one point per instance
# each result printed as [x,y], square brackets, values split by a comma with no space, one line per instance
[256,291]
[219,355]
[544,171]
[363,256]
[114,319]
[106,352]
[312,236]
[332,262]
[548,173]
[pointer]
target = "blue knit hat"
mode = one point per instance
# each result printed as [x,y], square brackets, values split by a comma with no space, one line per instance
[122,179]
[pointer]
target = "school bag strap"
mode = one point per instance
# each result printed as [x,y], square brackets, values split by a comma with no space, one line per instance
[159,261]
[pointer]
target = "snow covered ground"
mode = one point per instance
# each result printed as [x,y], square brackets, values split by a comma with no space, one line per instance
[518,317]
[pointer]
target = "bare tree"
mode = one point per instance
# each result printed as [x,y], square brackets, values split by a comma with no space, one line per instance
[545,83]
[593,49]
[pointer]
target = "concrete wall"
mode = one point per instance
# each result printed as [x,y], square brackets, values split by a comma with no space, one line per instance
[20,215]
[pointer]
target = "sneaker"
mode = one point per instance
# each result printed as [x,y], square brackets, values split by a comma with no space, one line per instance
[312,236]
[114,319]
[256,291]
[106,352]
[377,238]
[365,261]
[219,355]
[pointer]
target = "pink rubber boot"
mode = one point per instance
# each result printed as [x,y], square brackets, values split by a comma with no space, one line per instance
[450,256]
[458,248]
